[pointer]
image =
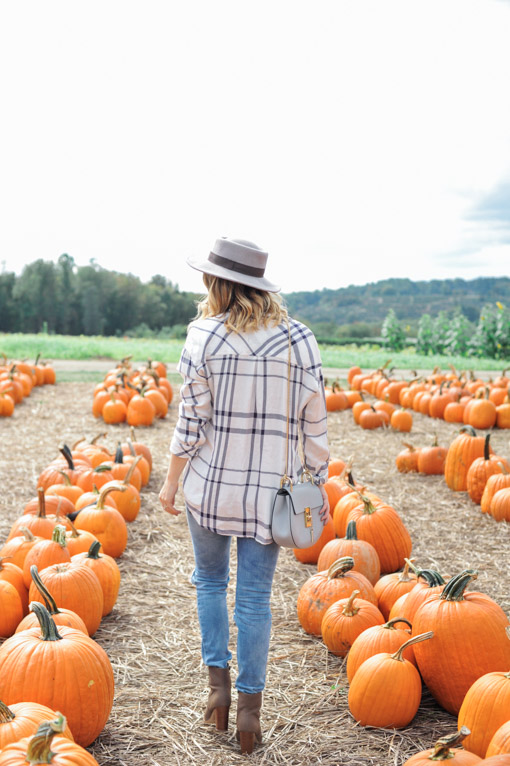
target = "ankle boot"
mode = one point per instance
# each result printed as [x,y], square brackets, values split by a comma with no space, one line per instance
[248,720]
[219,698]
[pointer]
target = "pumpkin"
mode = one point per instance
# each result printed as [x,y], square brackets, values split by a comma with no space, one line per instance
[140,411]
[497,760]
[61,616]
[480,412]
[78,540]
[311,554]
[407,459]
[71,491]
[41,523]
[344,506]
[335,399]
[345,619]
[53,504]
[106,523]
[22,719]
[95,477]
[131,446]
[485,707]
[6,404]
[499,507]
[431,460]
[120,469]
[428,582]
[371,418]
[13,574]
[401,420]
[324,588]
[469,640]
[59,654]
[336,467]
[107,571]
[46,747]
[46,552]
[500,742]
[364,554]
[73,587]
[377,639]
[17,548]
[386,689]
[11,609]
[445,751]
[390,587]
[113,409]
[494,483]
[126,496]
[381,526]
[480,470]
[465,448]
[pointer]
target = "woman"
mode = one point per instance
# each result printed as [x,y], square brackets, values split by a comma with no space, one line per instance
[231,440]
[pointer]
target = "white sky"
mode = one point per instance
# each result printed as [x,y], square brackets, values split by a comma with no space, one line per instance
[356,140]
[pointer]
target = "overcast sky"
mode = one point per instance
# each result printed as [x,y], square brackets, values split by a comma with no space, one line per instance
[356,140]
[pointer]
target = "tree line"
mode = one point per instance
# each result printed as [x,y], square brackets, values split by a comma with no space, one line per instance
[68,299]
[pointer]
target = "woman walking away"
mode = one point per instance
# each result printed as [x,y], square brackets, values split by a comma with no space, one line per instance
[231,441]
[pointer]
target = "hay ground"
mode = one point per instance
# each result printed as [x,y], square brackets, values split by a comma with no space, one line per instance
[152,635]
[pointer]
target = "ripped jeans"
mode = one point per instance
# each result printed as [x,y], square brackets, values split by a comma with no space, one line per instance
[256,565]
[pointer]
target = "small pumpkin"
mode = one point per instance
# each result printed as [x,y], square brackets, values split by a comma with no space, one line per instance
[46,747]
[345,619]
[379,638]
[364,554]
[22,719]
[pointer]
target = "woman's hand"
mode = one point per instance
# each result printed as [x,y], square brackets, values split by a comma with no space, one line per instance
[167,497]
[324,511]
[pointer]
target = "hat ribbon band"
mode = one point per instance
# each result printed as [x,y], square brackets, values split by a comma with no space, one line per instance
[242,268]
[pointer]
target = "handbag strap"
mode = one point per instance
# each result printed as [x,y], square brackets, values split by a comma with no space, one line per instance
[286,478]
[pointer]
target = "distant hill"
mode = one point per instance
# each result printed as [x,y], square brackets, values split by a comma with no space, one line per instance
[370,303]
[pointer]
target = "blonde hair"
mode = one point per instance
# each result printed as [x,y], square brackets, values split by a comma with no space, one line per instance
[248,308]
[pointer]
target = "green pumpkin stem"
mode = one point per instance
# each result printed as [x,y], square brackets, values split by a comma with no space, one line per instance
[468,430]
[6,713]
[454,588]
[413,640]
[340,567]
[486,448]
[59,535]
[444,744]
[49,630]
[39,746]
[49,601]
[351,533]
[431,577]
[119,455]
[93,552]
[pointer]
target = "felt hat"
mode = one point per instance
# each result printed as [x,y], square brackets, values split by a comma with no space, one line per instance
[237,260]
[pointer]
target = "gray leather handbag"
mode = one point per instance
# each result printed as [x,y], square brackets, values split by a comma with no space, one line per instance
[295,520]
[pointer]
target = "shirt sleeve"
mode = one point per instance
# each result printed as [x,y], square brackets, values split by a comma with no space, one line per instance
[314,431]
[195,408]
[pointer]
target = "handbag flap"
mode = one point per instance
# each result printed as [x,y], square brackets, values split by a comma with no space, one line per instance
[304,494]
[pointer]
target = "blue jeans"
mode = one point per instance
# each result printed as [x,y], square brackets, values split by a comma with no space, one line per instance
[256,564]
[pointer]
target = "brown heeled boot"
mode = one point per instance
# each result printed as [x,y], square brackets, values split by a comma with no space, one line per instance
[219,698]
[248,720]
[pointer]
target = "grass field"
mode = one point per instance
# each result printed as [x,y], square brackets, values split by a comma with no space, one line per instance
[21,346]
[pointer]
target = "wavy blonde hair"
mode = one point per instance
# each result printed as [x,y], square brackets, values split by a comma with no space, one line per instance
[248,308]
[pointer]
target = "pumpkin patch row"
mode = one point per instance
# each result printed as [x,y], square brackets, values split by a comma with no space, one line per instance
[18,378]
[133,395]
[60,558]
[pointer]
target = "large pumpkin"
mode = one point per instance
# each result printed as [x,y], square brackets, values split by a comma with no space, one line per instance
[22,719]
[47,747]
[465,448]
[381,526]
[485,708]
[74,674]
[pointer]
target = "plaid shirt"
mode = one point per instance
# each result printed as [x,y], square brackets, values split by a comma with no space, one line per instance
[232,421]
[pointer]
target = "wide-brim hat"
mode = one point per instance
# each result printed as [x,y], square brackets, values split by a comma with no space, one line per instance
[237,260]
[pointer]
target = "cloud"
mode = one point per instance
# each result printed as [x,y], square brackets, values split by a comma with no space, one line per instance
[493,209]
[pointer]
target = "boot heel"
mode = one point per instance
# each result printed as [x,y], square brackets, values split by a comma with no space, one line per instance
[221,716]
[247,741]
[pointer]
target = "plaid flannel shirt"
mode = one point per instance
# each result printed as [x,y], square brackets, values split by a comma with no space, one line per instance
[232,421]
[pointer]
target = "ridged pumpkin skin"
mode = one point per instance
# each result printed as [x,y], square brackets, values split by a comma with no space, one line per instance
[74,587]
[494,483]
[376,640]
[500,742]
[391,586]
[428,584]
[13,574]
[485,708]
[481,469]
[107,524]
[381,526]
[60,616]
[22,719]
[497,760]
[465,448]
[106,570]
[469,641]
[73,676]
[324,588]
[499,508]
[344,620]
[11,609]
[386,690]
[364,554]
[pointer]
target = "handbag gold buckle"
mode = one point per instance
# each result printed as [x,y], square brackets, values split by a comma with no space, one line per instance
[308,517]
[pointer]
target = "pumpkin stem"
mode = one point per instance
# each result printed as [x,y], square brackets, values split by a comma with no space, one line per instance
[6,713]
[67,480]
[66,452]
[42,503]
[27,534]
[410,642]
[59,535]
[99,436]
[468,430]
[391,623]
[127,477]
[39,746]
[106,490]
[94,549]
[49,630]
[340,567]
[49,601]
[444,744]
[351,533]
[405,576]
[131,447]
[432,577]
[349,609]
[454,588]
[119,455]
[486,447]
